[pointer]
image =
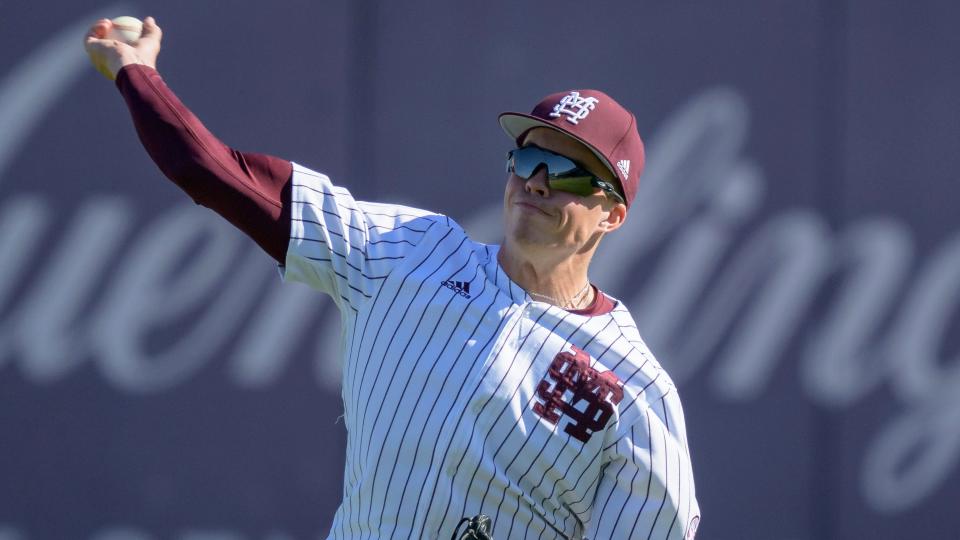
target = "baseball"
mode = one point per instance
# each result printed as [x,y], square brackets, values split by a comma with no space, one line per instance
[125,29]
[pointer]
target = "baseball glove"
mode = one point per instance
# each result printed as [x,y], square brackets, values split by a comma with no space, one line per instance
[478,528]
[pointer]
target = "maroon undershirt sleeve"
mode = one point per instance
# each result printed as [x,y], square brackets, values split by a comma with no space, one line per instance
[252,191]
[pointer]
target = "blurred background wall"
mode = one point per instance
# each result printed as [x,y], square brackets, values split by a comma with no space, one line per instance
[793,258]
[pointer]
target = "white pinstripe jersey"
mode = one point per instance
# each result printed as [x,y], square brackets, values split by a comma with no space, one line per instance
[462,395]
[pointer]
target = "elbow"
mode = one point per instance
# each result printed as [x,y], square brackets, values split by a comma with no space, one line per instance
[192,176]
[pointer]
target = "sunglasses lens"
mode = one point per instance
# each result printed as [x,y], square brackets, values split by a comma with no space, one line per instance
[524,161]
[563,174]
[581,186]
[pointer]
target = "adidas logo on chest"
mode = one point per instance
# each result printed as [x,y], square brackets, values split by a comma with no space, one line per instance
[460,287]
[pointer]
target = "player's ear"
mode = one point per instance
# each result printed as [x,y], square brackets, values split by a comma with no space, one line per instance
[614,217]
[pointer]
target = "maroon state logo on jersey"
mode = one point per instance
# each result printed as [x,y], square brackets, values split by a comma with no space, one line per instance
[592,394]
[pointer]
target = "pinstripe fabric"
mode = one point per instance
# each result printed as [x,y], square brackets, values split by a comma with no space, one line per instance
[440,383]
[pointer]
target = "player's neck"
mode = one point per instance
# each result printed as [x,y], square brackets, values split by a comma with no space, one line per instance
[559,281]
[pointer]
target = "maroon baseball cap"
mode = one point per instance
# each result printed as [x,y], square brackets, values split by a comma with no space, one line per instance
[594,119]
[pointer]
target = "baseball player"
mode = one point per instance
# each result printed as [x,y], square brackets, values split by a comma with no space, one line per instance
[486,386]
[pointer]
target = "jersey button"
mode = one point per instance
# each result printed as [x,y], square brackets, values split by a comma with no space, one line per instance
[451,470]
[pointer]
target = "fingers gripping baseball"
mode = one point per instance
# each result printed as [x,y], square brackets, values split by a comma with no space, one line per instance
[111,46]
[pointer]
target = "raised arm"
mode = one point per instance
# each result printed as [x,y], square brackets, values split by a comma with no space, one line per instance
[249,190]
[316,230]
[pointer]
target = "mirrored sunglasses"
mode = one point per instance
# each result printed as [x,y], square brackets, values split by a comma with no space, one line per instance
[563,174]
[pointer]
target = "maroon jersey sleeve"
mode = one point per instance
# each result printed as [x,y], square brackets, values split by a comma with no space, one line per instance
[250,190]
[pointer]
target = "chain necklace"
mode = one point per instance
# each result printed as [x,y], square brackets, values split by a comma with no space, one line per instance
[572,302]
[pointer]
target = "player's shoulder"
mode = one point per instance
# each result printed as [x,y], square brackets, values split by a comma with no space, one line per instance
[620,329]
[401,211]
[309,185]
[644,379]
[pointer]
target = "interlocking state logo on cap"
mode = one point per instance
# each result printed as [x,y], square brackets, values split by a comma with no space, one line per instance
[574,107]
[596,120]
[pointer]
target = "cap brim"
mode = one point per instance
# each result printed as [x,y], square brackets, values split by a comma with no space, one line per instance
[516,124]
